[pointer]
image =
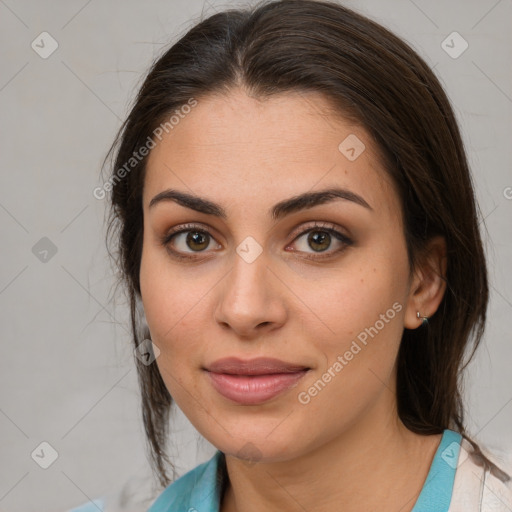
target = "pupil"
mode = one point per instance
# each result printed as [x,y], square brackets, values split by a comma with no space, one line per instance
[318,238]
[197,238]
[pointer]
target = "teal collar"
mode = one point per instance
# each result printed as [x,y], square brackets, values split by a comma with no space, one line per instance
[438,487]
[200,489]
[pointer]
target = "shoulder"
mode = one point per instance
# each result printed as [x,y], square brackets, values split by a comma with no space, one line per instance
[200,485]
[134,495]
[477,483]
[497,485]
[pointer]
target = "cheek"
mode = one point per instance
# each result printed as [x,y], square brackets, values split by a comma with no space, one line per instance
[364,311]
[171,309]
[176,307]
[354,297]
[169,297]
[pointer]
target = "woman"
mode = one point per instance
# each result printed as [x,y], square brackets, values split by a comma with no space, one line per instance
[295,223]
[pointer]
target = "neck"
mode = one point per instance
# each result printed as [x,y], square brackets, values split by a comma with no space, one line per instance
[377,464]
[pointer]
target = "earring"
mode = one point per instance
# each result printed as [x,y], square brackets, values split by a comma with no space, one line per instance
[424,319]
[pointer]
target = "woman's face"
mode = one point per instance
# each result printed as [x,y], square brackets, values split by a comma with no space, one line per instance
[318,284]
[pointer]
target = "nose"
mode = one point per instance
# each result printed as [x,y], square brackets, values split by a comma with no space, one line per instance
[251,301]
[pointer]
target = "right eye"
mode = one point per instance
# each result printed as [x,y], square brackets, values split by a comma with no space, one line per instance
[187,239]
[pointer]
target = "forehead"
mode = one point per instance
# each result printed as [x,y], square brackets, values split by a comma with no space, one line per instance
[233,147]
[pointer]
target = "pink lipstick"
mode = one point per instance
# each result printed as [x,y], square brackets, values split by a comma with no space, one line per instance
[254,381]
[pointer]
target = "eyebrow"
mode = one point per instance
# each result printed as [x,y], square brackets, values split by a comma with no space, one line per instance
[281,209]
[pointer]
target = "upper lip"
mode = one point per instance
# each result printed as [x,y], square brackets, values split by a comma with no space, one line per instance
[257,366]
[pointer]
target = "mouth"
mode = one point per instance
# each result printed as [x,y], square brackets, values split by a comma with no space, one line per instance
[257,366]
[255,381]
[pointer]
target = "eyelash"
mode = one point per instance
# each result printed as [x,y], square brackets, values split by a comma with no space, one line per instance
[320,227]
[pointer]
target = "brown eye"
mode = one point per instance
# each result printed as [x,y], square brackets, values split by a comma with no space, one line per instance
[197,240]
[189,241]
[184,241]
[319,239]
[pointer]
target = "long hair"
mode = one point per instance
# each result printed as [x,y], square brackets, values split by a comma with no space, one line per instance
[373,78]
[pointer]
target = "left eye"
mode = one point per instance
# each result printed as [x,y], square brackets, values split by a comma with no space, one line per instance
[320,240]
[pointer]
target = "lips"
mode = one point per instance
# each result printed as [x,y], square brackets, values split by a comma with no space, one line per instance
[255,381]
[258,366]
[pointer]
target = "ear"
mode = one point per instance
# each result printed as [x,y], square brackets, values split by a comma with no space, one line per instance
[428,284]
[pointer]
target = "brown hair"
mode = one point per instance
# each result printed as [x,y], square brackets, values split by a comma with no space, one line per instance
[374,78]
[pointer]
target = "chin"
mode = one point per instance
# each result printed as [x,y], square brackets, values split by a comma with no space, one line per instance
[257,446]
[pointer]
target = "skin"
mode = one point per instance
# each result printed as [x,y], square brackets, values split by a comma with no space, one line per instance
[247,155]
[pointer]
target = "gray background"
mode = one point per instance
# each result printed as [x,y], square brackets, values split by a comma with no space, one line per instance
[66,371]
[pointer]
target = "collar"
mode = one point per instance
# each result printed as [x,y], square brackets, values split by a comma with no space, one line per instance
[201,489]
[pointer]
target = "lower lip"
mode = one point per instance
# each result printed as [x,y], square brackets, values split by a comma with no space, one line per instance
[255,389]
